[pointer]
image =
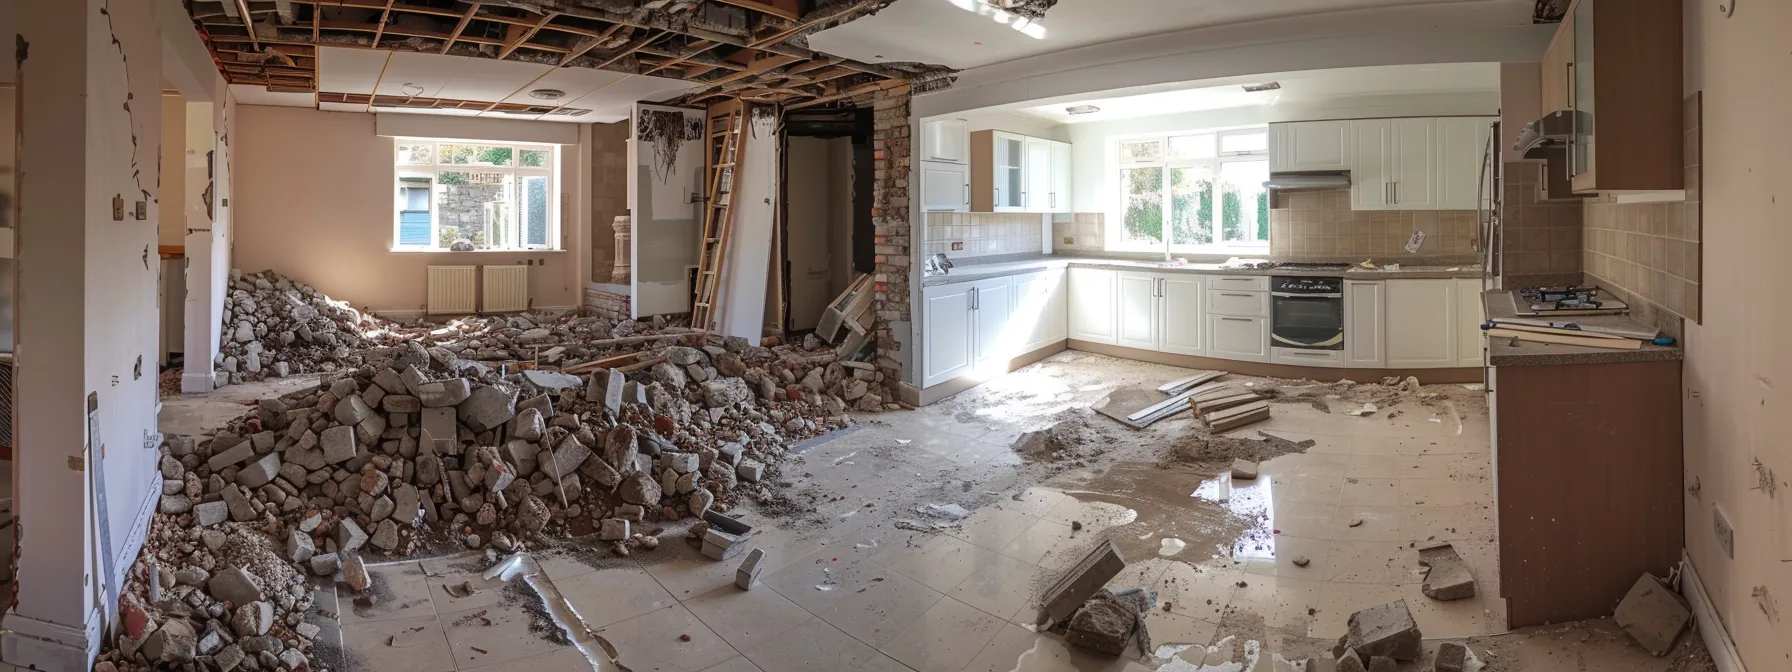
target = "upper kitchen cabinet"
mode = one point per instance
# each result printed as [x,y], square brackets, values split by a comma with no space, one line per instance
[1010,172]
[1417,163]
[945,187]
[947,140]
[1625,58]
[1310,146]
[1553,74]
[1463,144]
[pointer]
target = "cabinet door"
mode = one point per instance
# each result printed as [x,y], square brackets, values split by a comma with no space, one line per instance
[1461,147]
[1370,188]
[1010,172]
[1240,338]
[1138,310]
[1413,156]
[947,337]
[1420,325]
[1553,73]
[1179,325]
[1092,307]
[991,307]
[1310,146]
[1037,196]
[1468,322]
[945,187]
[1364,341]
[946,140]
[1059,199]
[1039,309]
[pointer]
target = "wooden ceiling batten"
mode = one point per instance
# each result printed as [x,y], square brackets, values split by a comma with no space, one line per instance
[385,15]
[459,27]
[523,35]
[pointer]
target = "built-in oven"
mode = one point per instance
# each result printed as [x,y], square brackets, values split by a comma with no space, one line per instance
[1307,313]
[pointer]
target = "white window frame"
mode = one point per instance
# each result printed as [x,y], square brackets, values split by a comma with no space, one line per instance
[517,172]
[1116,227]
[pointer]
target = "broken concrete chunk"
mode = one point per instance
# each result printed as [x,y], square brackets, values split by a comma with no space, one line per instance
[237,453]
[567,458]
[212,513]
[252,619]
[1062,599]
[682,463]
[325,564]
[613,385]
[439,393]
[299,547]
[440,424]
[1384,630]
[235,586]
[349,536]
[613,529]
[527,425]
[174,643]
[385,535]
[1104,624]
[1653,615]
[1382,664]
[354,572]
[552,381]
[488,407]
[750,471]
[352,410]
[1451,657]
[1244,470]
[1447,576]
[748,573]
[339,444]
[260,472]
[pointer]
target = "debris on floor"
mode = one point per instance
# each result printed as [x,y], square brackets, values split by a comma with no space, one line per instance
[1447,576]
[1363,411]
[1451,657]
[748,573]
[1110,624]
[1065,596]
[1244,470]
[274,326]
[1653,615]
[1385,630]
[1236,416]
[1214,397]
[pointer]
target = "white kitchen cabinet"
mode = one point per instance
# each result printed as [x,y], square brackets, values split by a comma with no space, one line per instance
[945,187]
[1010,172]
[1179,326]
[947,140]
[992,306]
[1058,198]
[1414,164]
[1307,146]
[1468,322]
[1461,146]
[1421,324]
[1241,338]
[1371,177]
[949,348]
[1094,310]
[1138,310]
[1365,342]
[1037,197]
[1041,300]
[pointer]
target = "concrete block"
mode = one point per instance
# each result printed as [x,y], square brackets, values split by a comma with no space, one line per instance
[613,529]
[1383,630]
[405,503]
[238,503]
[748,573]
[235,586]
[1447,576]
[527,425]
[488,407]
[631,512]
[212,513]
[567,458]
[1653,615]
[241,451]
[352,410]
[551,380]
[1382,664]
[750,470]
[326,564]
[1244,470]
[440,423]
[634,393]
[440,393]
[339,444]
[260,472]
[731,453]
[613,384]
[1062,599]
[1451,657]
[349,536]
[683,463]
[299,547]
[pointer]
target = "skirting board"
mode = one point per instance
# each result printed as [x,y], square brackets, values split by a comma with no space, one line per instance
[1320,374]
[1711,628]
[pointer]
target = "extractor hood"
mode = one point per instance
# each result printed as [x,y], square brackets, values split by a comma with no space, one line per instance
[1297,181]
[1540,138]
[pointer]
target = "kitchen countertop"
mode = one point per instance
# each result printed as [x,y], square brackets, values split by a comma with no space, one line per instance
[974,272]
[1506,352]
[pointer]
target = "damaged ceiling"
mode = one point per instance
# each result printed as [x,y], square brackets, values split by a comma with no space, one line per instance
[750,49]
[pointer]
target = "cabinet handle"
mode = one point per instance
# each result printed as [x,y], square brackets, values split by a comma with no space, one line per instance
[1236,319]
[1230,294]
[1237,279]
[967,195]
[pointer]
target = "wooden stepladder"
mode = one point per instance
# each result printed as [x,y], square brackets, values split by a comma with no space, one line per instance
[726,135]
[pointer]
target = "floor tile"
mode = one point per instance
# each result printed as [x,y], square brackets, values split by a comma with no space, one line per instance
[1286,549]
[499,633]
[747,618]
[459,573]
[939,562]
[1445,523]
[400,590]
[1017,649]
[1306,489]
[883,663]
[1359,522]
[1198,591]
[1374,466]
[1034,542]
[944,639]
[610,596]
[735,664]
[866,600]
[568,659]
[1368,561]
[1333,605]
[994,528]
[1282,602]
[657,641]
[1001,586]
[415,644]
[1370,491]
[1435,492]
[1168,629]
[813,646]
[1466,617]
[1323,464]
[1303,519]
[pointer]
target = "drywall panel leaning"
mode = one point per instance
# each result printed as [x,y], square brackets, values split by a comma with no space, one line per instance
[741,308]
[665,187]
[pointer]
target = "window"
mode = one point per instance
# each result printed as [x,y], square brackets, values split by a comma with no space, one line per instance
[1179,179]
[466,196]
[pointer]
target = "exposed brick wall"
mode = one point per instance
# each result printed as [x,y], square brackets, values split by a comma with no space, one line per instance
[890,219]
[609,193]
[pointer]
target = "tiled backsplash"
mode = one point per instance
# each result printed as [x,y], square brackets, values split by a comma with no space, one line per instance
[1649,253]
[1540,241]
[1321,225]
[1082,232]
[984,234]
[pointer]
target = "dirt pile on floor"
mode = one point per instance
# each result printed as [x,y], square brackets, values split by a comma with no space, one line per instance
[1202,448]
[274,326]
[1072,439]
[420,444]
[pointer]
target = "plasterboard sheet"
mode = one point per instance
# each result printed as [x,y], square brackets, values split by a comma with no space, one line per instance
[342,107]
[256,94]
[420,75]
[614,101]
[489,79]
[576,82]
[342,70]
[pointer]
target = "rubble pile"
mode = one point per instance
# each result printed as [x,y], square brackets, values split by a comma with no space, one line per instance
[276,327]
[423,445]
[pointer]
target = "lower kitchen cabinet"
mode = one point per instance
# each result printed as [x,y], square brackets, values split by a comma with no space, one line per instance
[1421,324]
[1365,338]
[1093,305]
[1041,300]
[1137,318]
[1179,328]
[1241,338]
[972,324]
[992,304]
[948,332]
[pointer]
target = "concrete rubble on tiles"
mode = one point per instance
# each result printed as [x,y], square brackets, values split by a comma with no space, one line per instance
[1383,630]
[1653,615]
[1446,574]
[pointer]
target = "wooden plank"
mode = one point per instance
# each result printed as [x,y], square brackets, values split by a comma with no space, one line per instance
[586,45]
[756,67]
[1238,417]
[518,37]
[1586,341]
[610,362]
[763,7]
[385,14]
[458,27]
[1181,384]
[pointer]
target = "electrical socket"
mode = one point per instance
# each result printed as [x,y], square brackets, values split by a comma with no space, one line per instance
[1726,534]
[1070,240]
[957,246]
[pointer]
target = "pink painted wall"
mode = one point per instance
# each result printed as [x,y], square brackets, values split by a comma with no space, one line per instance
[316,205]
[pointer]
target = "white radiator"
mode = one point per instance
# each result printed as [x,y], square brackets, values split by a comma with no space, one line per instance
[452,290]
[506,289]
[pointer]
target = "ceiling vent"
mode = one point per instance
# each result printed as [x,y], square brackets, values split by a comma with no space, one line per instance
[1266,86]
[1082,109]
[568,112]
[547,94]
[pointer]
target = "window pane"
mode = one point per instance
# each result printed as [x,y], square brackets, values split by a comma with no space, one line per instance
[533,158]
[535,210]
[1192,146]
[1244,142]
[476,210]
[1243,201]
[413,210]
[475,155]
[1142,194]
[415,153]
[1137,151]
[1191,206]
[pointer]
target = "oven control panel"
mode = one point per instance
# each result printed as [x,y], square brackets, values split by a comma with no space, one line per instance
[1305,285]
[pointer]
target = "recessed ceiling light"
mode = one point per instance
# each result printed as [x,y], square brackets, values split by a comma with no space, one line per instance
[1265,86]
[547,94]
[1082,109]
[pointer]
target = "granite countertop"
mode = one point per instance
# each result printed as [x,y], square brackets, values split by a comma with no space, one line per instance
[1508,352]
[972,272]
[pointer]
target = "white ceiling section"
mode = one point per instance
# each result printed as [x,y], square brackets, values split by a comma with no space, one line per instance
[608,95]
[1311,85]
[970,33]
[255,94]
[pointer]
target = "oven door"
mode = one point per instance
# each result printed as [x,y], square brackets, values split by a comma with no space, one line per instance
[1307,321]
